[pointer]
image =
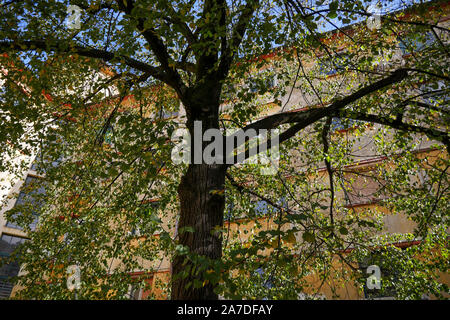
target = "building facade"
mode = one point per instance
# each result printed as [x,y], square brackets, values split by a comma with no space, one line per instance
[364,197]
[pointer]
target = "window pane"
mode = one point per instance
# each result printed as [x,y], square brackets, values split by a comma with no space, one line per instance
[412,43]
[261,207]
[5,289]
[7,245]
[31,187]
[37,163]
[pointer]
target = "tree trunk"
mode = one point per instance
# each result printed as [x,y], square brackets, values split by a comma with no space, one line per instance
[202,210]
[202,200]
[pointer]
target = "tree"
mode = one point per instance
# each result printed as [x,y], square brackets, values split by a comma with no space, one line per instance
[200,53]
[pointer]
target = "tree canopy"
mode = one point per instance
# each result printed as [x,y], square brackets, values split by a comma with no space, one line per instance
[99,104]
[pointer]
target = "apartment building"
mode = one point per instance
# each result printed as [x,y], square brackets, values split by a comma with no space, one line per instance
[11,235]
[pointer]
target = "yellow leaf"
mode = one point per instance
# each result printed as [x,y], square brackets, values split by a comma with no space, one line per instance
[291,238]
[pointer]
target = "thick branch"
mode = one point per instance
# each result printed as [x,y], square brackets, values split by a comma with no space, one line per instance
[61,47]
[398,124]
[326,147]
[183,27]
[186,66]
[307,117]
[207,32]
[158,48]
[238,33]
[311,115]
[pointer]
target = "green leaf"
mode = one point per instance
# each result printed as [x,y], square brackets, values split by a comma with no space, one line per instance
[308,236]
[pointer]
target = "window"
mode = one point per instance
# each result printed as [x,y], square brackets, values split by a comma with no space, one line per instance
[141,287]
[135,293]
[31,188]
[258,208]
[413,43]
[5,289]
[267,283]
[8,244]
[338,124]
[435,94]
[283,203]
[229,211]
[108,139]
[262,207]
[262,82]
[37,163]
[331,66]
[253,87]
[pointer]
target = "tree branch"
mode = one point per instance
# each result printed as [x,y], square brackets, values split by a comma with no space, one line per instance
[325,131]
[398,124]
[61,47]
[237,35]
[311,115]
[183,27]
[306,117]
[158,48]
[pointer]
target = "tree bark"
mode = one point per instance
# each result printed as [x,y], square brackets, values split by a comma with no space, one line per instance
[202,201]
[202,209]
